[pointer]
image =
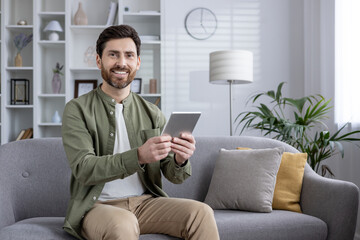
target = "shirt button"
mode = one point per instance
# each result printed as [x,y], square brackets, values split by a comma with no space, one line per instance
[111,134]
[111,112]
[94,198]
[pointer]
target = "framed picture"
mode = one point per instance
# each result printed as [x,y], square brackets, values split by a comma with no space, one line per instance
[84,86]
[20,92]
[136,85]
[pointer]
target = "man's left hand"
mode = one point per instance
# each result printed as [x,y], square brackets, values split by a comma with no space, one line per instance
[183,147]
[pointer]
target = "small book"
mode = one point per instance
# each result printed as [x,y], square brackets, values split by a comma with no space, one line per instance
[28,134]
[21,134]
[111,14]
[157,102]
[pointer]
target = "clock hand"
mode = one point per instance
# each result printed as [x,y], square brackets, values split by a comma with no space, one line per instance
[201,20]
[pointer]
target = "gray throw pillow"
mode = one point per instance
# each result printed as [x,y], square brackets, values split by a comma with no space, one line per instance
[244,180]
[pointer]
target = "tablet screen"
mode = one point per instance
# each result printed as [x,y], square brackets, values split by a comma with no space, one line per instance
[180,122]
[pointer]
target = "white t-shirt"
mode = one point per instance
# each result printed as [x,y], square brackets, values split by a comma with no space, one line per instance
[131,185]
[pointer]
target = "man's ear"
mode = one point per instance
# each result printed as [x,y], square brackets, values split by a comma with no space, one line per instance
[138,63]
[98,61]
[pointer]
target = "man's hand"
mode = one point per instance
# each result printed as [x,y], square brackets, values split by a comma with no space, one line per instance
[154,149]
[183,147]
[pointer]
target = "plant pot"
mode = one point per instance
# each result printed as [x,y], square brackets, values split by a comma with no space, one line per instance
[18,60]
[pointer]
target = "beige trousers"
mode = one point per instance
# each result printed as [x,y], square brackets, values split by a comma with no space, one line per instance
[127,218]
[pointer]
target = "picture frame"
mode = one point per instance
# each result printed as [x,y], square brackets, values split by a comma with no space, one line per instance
[136,85]
[19,91]
[84,86]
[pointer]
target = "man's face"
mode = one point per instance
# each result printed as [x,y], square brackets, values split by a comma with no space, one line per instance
[119,62]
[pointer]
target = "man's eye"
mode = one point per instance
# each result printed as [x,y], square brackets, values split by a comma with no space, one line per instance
[112,54]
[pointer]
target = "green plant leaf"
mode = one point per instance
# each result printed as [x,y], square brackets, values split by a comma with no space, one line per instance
[305,130]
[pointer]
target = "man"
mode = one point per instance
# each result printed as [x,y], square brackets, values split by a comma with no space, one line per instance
[111,139]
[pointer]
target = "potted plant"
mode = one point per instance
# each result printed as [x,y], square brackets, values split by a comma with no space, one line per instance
[21,40]
[305,130]
[56,81]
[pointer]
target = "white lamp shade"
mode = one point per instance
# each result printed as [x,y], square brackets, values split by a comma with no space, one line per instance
[234,65]
[53,26]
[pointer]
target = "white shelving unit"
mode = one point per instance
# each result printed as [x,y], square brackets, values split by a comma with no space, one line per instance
[76,41]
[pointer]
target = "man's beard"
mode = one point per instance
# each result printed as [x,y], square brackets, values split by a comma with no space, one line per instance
[113,81]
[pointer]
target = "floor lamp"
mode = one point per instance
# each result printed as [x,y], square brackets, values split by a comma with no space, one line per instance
[231,67]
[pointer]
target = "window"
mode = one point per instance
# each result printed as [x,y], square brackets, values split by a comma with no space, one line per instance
[347,61]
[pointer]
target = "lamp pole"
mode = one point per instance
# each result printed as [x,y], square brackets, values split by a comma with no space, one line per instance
[230,93]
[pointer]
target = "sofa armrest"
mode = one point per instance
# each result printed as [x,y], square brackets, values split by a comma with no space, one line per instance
[333,201]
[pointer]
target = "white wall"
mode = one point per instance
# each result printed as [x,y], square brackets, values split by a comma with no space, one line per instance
[272,30]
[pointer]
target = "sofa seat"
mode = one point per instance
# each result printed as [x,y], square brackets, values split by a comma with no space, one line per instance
[232,225]
[282,225]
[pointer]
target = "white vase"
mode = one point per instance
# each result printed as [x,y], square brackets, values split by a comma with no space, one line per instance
[56,117]
[80,17]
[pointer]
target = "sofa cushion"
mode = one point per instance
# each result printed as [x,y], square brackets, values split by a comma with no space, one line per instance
[277,225]
[244,180]
[35,229]
[289,182]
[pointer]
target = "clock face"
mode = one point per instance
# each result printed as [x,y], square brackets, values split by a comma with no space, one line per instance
[200,23]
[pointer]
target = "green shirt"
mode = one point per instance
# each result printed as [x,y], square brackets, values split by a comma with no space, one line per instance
[88,132]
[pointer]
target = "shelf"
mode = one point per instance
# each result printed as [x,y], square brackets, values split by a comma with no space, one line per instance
[142,13]
[19,106]
[150,95]
[82,69]
[50,124]
[51,95]
[50,14]
[19,68]
[47,43]
[19,26]
[87,27]
[151,42]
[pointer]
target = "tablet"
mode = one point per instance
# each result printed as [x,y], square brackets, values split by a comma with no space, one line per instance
[180,122]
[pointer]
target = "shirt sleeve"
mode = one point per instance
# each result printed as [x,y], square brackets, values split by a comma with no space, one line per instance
[86,166]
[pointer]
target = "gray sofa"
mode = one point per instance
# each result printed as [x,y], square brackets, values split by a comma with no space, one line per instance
[34,190]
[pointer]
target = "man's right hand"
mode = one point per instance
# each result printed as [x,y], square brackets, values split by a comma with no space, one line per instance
[154,149]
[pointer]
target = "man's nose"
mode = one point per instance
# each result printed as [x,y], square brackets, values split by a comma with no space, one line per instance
[121,61]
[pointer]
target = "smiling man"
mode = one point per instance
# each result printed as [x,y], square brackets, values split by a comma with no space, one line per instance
[111,139]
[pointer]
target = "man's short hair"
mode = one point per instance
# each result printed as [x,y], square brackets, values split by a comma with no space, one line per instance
[116,32]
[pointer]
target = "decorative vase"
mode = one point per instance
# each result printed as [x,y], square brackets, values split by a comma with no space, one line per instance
[56,83]
[80,17]
[56,117]
[18,60]
[152,86]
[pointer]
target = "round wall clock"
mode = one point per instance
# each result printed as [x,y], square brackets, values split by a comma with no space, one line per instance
[200,23]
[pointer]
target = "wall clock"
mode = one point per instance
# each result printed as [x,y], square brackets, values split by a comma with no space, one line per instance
[200,23]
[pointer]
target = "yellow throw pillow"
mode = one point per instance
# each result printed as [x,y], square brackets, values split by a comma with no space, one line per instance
[288,181]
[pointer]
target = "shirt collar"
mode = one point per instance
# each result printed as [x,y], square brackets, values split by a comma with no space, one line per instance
[112,101]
